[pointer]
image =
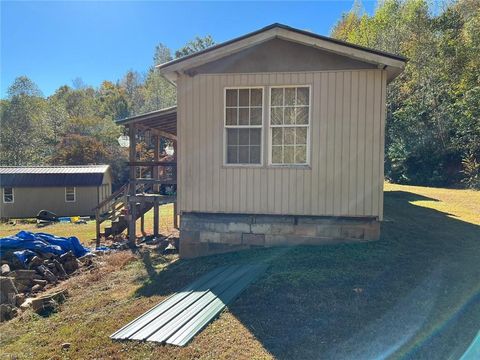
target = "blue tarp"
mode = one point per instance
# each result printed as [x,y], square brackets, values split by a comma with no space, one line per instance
[24,255]
[25,243]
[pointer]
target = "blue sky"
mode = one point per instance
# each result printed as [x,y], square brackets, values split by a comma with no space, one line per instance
[56,42]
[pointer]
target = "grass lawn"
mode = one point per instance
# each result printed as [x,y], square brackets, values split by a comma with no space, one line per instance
[413,294]
[86,232]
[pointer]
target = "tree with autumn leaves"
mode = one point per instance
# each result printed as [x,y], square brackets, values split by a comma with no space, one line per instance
[433,107]
[76,125]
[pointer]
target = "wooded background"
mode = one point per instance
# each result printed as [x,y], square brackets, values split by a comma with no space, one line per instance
[433,108]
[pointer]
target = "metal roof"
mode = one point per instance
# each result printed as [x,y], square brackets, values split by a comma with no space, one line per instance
[180,317]
[163,119]
[43,176]
[289,28]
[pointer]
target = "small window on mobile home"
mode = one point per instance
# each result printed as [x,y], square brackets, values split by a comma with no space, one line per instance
[289,125]
[243,126]
[8,196]
[70,194]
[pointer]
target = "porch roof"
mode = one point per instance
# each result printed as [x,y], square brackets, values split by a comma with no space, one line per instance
[164,120]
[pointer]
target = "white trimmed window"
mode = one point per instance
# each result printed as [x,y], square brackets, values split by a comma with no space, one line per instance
[243,126]
[290,125]
[8,195]
[70,194]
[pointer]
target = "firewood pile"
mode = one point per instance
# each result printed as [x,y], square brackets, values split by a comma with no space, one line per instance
[21,286]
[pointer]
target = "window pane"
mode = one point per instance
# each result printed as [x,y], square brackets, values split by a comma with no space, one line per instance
[231,116]
[244,97]
[289,136]
[254,154]
[232,136]
[277,116]
[277,136]
[300,154]
[289,154]
[244,135]
[277,97]
[243,116]
[277,154]
[243,154]
[289,115]
[7,195]
[231,97]
[256,116]
[255,136]
[232,155]
[301,135]
[244,109]
[69,194]
[302,96]
[290,96]
[302,115]
[256,97]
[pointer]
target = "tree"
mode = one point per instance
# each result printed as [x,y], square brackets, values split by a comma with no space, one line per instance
[195,45]
[22,85]
[161,55]
[158,93]
[23,132]
[432,127]
[77,149]
[112,100]
[132,84]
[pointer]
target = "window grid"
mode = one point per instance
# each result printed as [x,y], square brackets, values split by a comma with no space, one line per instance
[70,194]
[304,160]
[248,126]
[8,195]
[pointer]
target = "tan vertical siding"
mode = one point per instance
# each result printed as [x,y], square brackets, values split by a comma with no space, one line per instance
[345,159]
[382,142]
[353,136]
[360,179]
[345,175]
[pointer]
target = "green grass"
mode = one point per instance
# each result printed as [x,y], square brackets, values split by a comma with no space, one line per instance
[86,232]
[416,291]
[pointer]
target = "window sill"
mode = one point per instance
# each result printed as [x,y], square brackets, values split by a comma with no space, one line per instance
[290,166]
[242,166]
[269,166]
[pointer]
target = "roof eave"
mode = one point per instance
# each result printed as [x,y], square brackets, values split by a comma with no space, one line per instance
[171,69]
[146,116]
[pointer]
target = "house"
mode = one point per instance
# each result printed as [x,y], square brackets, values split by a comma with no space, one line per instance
[64,190]
[280,141]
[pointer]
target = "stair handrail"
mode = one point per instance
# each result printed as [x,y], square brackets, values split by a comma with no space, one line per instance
[114,196]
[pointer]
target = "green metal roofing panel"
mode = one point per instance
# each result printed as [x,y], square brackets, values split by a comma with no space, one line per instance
[177,319]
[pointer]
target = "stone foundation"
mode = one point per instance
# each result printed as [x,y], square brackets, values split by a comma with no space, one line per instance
[206,233]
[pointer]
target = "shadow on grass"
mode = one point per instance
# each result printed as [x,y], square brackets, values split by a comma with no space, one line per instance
[413,294]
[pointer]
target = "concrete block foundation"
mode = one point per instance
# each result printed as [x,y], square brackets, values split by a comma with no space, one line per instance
[204,234]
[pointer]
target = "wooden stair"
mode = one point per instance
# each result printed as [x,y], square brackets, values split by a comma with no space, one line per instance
[114,208]
[121,224]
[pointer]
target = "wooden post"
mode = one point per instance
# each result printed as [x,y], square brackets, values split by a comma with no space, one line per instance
[175,210]
[156,157]
[97,227]
[156,218]
[142,225]
[132,186]
[175,215]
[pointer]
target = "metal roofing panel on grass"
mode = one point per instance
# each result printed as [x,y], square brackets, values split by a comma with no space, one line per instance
[180,317]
